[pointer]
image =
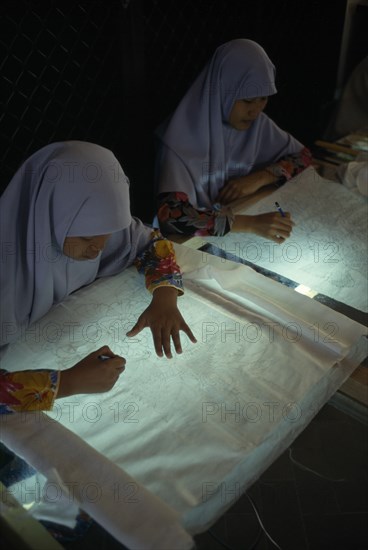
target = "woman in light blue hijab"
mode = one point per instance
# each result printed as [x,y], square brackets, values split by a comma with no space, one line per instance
[219,146]
[65,221]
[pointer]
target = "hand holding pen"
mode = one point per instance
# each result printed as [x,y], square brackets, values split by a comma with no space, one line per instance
[280,209]
[96,373]
[283,231]
[273,227]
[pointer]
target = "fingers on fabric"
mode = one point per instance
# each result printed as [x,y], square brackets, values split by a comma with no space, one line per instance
[185,328]
[162,336]
[166,342]
[176,340]
[157,341]
[138,327]
[162,339]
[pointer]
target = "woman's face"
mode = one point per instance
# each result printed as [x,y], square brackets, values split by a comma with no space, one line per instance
[245,111]
[84,248]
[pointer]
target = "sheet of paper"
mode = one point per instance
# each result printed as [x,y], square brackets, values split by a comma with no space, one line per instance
[328,248]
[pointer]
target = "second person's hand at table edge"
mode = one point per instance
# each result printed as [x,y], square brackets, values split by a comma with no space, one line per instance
[164,319]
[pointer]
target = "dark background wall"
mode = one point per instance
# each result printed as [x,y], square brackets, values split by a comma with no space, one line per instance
[109,71]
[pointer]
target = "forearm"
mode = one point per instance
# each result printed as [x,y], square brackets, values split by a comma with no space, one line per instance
[242,223]
[260,178]
[177,215]
[66,383]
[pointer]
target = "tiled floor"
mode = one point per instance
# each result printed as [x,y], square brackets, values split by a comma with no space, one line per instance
[314,497]
[322,509]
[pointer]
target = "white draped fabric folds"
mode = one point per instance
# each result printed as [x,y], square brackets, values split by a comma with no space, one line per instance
[199,429]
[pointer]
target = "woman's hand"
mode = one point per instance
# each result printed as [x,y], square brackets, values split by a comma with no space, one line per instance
[271,225]
[91,374]
[246,185]
[165,320]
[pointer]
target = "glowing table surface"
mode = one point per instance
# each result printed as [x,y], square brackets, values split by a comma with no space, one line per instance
[199,429]
[328,247]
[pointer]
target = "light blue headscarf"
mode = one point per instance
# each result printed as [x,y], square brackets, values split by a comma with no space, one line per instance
[65,189]
[200,151]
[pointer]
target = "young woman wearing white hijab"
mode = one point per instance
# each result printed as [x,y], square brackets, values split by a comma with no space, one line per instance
[65,221]
[219,146]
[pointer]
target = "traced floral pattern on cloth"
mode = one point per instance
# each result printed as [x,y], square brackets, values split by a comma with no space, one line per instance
[36,389]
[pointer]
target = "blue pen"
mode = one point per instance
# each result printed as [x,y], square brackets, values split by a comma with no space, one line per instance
[280,209]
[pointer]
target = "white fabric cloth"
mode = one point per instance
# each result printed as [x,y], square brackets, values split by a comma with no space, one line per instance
[328,248]
[199,429]
[79,475]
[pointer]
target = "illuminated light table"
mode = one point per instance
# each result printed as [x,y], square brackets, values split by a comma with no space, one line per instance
[199,429]
[325,257]
[328,248]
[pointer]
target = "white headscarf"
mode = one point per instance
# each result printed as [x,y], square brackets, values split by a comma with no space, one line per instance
[65,189]
[200,151]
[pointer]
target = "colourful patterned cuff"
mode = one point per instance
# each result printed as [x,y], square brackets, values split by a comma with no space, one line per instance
[177,215]
[30,390]
[223,220]
[158,263]
[290,165]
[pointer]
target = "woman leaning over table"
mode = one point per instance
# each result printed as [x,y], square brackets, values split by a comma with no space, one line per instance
[62,228]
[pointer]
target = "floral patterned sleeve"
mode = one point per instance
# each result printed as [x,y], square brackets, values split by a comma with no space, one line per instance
[29,390]
[176,215]
[158,263]
[289,166]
